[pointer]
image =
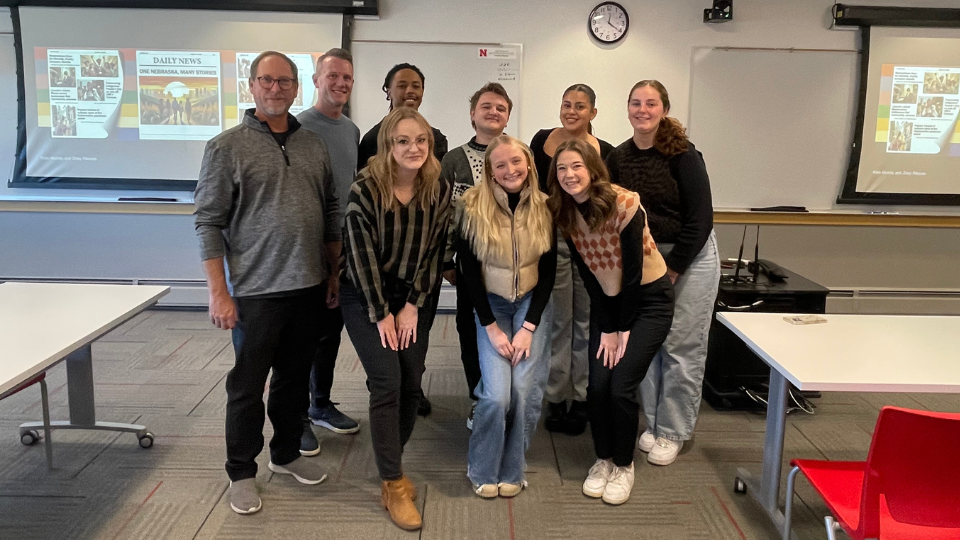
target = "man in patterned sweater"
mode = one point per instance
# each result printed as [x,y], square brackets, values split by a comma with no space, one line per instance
[462,167]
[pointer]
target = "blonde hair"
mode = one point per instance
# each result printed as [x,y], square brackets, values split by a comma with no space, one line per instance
[383,167]
[480,208]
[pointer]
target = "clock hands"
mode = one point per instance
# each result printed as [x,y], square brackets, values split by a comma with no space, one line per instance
[615,29]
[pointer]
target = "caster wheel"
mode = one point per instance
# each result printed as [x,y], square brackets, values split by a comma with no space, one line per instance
[29,438]
[146,441]
[739,487]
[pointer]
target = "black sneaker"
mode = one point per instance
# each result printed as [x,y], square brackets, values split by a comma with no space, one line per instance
[473,409]
[556,413]
[576,421]
[309,445]
[425,408]
[331,418]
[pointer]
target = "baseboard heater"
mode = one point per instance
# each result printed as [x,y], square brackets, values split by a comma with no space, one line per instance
[192,293]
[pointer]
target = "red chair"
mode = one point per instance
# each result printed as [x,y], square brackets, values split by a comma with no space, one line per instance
[909,487]
[30,437]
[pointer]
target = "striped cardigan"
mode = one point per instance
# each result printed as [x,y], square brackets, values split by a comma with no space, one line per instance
[391,243]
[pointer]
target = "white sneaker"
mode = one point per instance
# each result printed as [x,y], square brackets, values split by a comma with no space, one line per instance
[597,478]
[646,441]
[664,452]
[619,486]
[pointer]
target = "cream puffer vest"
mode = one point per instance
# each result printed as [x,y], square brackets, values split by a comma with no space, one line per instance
[512,274]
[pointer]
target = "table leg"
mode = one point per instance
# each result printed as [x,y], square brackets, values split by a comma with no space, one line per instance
[767,490]
[83,412]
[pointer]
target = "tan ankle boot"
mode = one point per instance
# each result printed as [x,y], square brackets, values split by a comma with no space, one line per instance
[397,501]
[409,487]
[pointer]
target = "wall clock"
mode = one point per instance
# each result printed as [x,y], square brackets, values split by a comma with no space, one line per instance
[608,22]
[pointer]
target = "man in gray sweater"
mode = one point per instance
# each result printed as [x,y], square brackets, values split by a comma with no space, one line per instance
[334,82]
[266,202]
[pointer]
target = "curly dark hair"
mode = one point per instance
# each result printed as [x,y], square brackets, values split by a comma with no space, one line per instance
[388,80]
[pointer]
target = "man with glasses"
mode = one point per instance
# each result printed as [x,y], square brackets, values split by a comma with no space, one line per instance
[266,202]
[334,82]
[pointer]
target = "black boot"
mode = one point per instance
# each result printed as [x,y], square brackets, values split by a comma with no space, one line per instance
[425,407]
[556,413]
[576,421]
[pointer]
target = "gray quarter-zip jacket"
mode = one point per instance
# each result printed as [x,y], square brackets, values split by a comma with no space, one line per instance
[267,207]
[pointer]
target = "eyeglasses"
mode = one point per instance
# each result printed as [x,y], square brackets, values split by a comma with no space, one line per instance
[404,142]
[266,82]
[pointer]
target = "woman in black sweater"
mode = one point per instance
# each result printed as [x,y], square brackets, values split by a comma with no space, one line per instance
[571,316]
[668,172]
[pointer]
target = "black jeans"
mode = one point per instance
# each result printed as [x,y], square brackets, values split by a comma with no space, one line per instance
[467,332]
[321,373]
[278,333]
[612,396]
[393,377]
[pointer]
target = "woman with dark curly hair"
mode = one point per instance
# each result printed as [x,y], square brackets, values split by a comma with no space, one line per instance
[668,172]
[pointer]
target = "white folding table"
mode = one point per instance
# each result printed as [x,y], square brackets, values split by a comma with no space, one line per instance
[42,324]
[848,353]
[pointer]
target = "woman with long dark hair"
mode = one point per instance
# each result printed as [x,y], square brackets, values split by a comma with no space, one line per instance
[631,305]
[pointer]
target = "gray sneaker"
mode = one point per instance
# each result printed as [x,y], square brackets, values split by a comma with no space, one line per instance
[243,496]
[305,471]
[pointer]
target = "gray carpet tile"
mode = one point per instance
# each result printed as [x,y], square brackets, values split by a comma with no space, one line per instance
[166,370]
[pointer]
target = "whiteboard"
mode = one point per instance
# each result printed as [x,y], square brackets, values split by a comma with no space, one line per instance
[775,127]
[452,72]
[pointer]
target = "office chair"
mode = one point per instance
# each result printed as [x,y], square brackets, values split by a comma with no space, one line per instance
[908,488]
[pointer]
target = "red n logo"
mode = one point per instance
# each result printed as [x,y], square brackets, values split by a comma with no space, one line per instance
[483,53]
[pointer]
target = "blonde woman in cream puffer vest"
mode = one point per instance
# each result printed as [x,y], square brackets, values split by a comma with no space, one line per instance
[508,256]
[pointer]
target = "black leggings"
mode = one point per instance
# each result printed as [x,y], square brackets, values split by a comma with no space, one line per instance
[612,396]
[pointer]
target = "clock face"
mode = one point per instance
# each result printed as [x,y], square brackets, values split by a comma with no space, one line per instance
[608,22]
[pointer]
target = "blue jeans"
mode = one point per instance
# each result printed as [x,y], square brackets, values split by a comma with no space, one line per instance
[673,386]
[509,398]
